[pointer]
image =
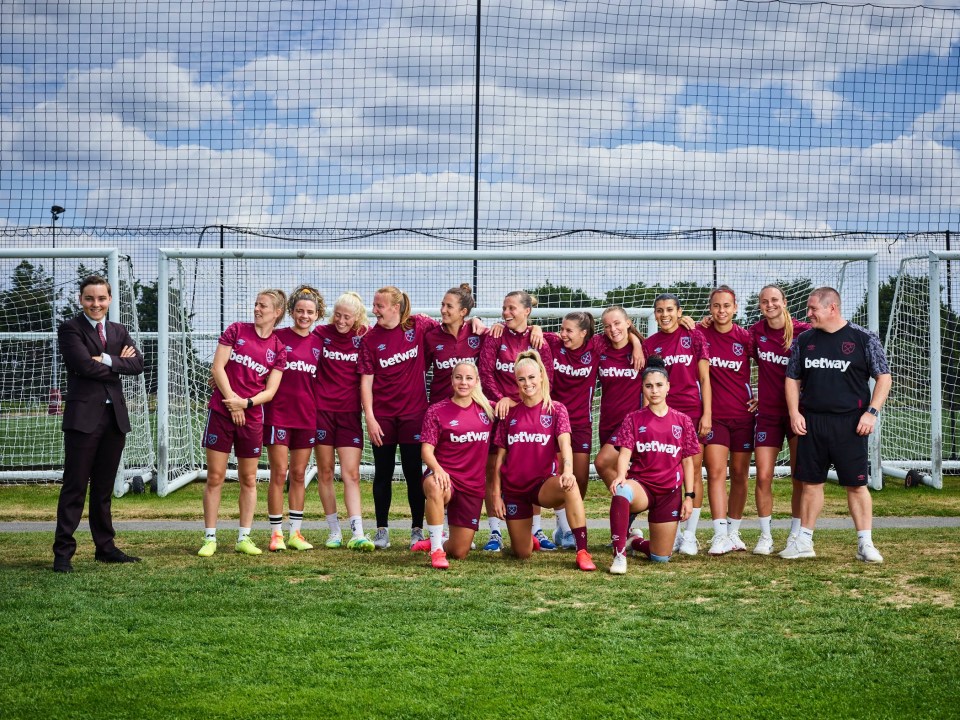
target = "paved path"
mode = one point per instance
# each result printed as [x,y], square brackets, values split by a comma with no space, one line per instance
[879,523]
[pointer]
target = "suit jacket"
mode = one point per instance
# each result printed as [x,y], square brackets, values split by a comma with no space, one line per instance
[90,383]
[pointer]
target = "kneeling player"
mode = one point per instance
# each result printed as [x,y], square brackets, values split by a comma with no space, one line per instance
[528,440]
[657,445]
[456,440]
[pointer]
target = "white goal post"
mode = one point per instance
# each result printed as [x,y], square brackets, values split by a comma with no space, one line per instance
[33,378]
[210,288]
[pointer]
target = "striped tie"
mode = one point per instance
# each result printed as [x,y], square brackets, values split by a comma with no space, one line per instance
[102,334]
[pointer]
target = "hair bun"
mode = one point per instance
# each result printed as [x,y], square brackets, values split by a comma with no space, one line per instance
[655,361]
[466,288]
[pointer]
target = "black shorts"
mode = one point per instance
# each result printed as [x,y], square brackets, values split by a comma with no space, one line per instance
[833,440]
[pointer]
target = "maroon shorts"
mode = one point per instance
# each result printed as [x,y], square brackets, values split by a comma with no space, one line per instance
[293,438]
[339,429]
[403,430]
[734,434]
[464,510]
[665,504]
[520,504]
[222,435]
[581,438]
[607,433]
[771,431]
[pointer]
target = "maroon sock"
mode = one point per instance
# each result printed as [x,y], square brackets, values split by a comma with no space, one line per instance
[619,522]
[639,545]
[580,535]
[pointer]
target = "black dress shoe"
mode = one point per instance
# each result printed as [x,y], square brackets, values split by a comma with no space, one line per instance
[62,565]
[115,556]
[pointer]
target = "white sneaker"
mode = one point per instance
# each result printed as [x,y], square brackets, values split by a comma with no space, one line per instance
[720,545]
[619,565]
[736,541]
[635,533]
[764,545]
[678,542]
[792,538]
[688,545]
[799,548]
[416,535]
[381,540]
[868,553]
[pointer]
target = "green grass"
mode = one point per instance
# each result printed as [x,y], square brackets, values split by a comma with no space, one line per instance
[39,502]
[383,635]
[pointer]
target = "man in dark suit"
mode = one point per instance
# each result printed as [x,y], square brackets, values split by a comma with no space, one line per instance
[96,353]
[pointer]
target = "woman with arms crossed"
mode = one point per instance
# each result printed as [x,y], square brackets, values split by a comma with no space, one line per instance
[289,430]
[456,441]
[654,462]
[247,368]
[526,474]
[497,375]
[731,437]
[686,356]
[339,429]
[772,337]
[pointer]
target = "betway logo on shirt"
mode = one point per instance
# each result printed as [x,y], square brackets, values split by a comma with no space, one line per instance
[570,370]
[337,355]
[504,367]
[826,364]
[471,436]
[677,360]
[619,372]
[453,362]
[525,437]
[734,365]
[249,362]
[773,357]
[657,446]
[399,357]
[302,366]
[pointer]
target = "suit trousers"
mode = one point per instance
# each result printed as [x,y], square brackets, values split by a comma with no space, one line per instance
[89,459]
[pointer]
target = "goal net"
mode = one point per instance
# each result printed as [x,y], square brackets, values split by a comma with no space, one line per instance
[922,340]
[209,289]
[38,291]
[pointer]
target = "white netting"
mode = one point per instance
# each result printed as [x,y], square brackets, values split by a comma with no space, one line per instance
[37,294]
[206,294]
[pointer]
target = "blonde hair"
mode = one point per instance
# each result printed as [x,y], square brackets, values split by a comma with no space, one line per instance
[477,393]
[526,299]
[352,302]
[787,320]
[528,357]
[279,300]
[631,328]
[305,292]
[398,297]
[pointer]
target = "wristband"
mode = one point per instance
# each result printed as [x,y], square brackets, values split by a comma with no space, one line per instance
[249,403]
[690,495]
[873,411]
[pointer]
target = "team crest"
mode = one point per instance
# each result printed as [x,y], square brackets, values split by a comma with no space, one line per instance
[321,435]
[677,431]
[281,434]
[473,342]
[212,439]
[511,509]
[737,349]
[546,420]
[483,418]
[410,334]
[271,356]
[761,437]
[316,353]
[708,438]
[586,358]
[847,348]
[356,341]
[686,343]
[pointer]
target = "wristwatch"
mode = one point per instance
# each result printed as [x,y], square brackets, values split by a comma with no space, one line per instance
[690,495]
[873,411]
[249,403]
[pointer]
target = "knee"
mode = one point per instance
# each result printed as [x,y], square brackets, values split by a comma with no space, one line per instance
[457,553]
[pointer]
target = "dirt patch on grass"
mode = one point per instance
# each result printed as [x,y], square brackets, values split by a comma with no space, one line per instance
[908,593]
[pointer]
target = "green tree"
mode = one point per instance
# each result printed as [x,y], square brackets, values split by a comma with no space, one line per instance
[797,292]
[693,296]
[559,296]
[27,306]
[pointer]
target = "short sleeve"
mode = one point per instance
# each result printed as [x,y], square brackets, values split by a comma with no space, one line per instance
[562,422]
[500,438]
[365,358]
[230,335]
[280,359]
[691,443]
[701,348]
[625,434]
[430,432]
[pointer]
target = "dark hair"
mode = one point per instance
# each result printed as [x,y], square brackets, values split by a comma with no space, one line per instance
[464,295]
[311,294]
[723,289]
[584,321]
[95,280]
[663,297]
[655,364]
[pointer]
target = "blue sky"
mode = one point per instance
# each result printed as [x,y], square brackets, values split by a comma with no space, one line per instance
[618,116]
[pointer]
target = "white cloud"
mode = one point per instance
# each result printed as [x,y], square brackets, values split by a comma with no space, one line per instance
[942,124]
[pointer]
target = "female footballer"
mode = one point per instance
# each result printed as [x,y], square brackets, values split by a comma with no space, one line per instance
[453,341]
[525,473]
[654,465]
[247,368]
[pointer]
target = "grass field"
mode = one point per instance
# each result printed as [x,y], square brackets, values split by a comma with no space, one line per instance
[335,634]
